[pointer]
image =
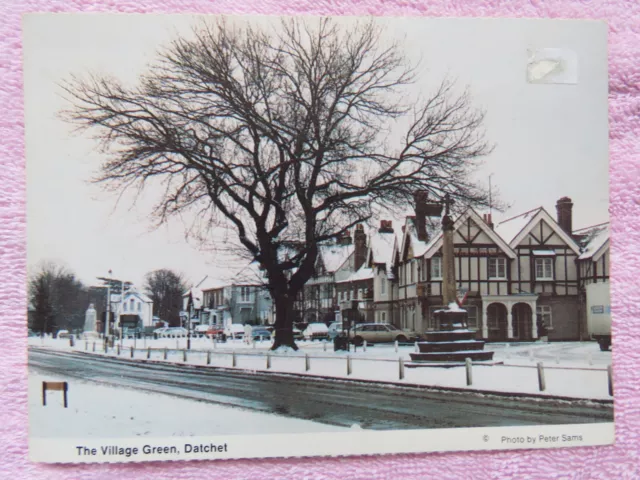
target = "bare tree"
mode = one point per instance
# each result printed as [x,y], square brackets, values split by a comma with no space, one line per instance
[286,136]
[165,287]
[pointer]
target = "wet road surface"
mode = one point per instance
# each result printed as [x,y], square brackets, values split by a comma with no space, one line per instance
[342,403]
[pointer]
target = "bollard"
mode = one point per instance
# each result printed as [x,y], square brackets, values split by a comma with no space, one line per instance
[268,360]
[165,353]
[348,364]
[72,342]
[364,346]
[132,350]
[86,345]
[307,362]
[118,349]
[508,354]
[208,358]
[541,383]
[177,344]
[395,346]
[94,346]
[105,346]
[214,343]
[468,368]
[324,345]
[416,348]
[233,359]
[400,368]
[148,353]
[610,379]
[184,355]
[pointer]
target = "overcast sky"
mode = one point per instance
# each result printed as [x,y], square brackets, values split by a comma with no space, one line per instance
[550,139]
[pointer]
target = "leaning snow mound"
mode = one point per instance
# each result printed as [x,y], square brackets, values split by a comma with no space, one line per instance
[355,426]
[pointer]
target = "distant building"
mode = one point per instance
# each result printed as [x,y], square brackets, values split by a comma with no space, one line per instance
[135,304]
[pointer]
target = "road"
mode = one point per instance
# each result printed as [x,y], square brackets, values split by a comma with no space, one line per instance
[331,402]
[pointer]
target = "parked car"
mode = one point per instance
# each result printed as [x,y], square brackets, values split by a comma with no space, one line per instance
[316,331]
[215,331]
[297,334]
[335,329]
[380,333]
[175,332]
[235,330]
[260,333]
[159,332]
[201,329]
[63,334]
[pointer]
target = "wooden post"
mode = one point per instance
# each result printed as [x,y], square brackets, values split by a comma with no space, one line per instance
[233,359]
[324,345]
[541,383]
[132,350]
[307,362]
[395,346]
[165,353]
[118,349]
[400,368]
[348,364]
[94,346]
[148,353]
[56,386]
[184,355]
[468,367]
[208,357]
[268,360]
[610,379]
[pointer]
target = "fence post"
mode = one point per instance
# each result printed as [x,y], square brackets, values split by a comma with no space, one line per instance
[148,353]
[348,364]
[177,344]
[400,368]
[94,346]
[416,348]
[364,346]
[165,353]
[307,362]
[395,346]
[132,350]
[233,359]
[468,367]
[118,349]
[268,360]
[106,346]
[324,345]
[610,379]
[184,355]
[541,383]
[86,345]
[208,357]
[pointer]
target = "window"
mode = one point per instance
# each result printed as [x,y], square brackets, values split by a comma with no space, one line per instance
[125,307]
[360,294]
[544,268]
[139,307]
[497,267]
[544,317]
[383,316]
[383,286]
[436,267]
[472,316]
[245,294]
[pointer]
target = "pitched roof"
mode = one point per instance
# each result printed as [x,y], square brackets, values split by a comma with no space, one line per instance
[597,241]
[508,229]
[436,242]
[542,214]
[381,249]
[364,273]
[334,256]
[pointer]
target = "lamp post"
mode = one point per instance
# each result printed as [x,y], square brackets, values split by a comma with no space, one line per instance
[107,316]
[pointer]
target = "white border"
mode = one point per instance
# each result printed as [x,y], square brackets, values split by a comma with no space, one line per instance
[361,442]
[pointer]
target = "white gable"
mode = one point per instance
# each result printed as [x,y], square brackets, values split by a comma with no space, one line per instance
[534,221]
[436,243]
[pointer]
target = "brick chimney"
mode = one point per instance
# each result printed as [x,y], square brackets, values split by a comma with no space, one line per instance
[386,226]
[344,239]
[564,208]
[360,247]
[420,199]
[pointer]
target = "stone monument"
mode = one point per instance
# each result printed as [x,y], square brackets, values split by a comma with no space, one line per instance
[90,322]
[453,341]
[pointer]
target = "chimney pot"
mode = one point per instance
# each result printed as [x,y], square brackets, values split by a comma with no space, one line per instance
[564,209]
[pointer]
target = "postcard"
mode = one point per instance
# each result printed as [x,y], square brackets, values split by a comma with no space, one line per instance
[256,236]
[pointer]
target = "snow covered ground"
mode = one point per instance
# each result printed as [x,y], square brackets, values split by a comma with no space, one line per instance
[572,369]
[100,411]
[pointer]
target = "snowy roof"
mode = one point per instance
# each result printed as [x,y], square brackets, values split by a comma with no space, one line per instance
[381,249]
[418,246]
[334,256]
[596,240]
[364,273]
[210,283]
[140,295]
[508,229]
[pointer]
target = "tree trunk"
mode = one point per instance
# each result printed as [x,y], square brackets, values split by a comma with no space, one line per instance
[284,322]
